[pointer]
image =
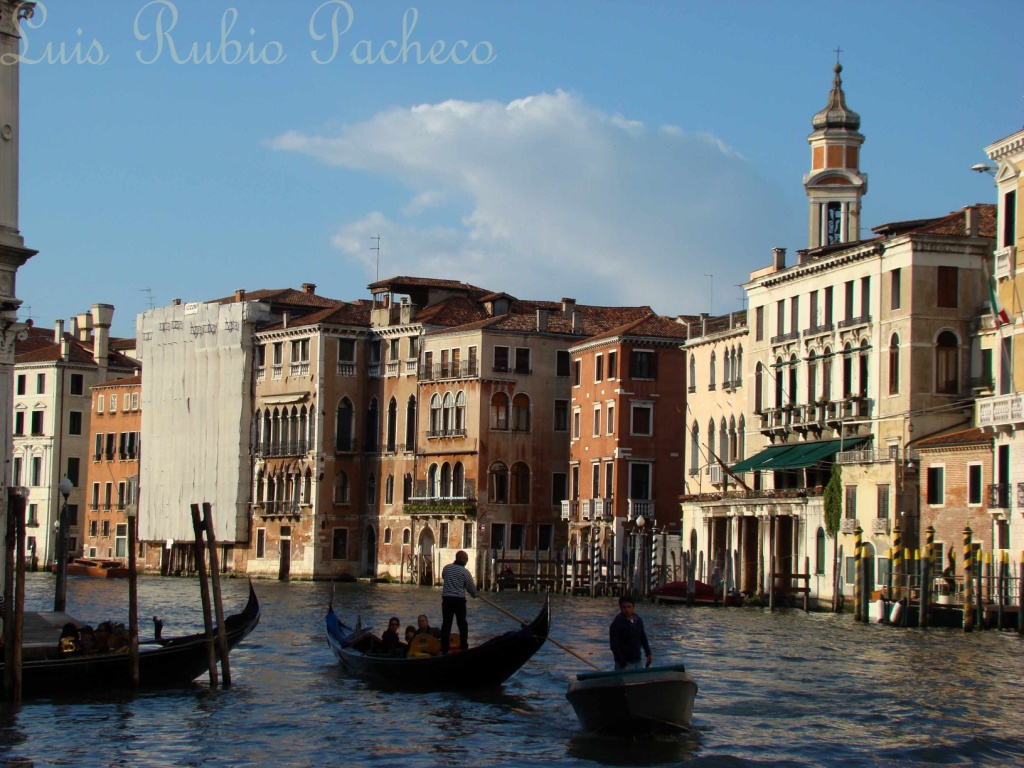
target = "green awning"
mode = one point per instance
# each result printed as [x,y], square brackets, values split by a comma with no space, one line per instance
[796,455]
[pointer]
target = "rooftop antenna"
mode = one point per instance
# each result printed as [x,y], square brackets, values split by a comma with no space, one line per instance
[28,311]
[743,295]
[149,296]
[377,249]
[711,295]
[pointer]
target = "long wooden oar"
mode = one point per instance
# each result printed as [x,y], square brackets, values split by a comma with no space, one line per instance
[550,639]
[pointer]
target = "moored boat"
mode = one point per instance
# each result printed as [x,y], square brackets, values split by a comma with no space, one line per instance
[703,594]
[486,665]
[98,568]
[173,661]
[634,701]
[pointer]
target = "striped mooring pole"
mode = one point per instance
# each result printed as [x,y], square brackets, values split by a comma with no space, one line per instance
[897,558]
[858,598]
[968,576]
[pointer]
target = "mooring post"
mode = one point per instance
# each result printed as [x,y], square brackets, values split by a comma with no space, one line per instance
[858,579]
[204,591]
[968,578]
[1020,595]
[1000,586]
[897,558]
[218,602]
[771,586]
[807,584]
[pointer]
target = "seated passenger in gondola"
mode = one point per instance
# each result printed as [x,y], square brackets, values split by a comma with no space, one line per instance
[424,628]
[87,637]
[390,642]
[68,643]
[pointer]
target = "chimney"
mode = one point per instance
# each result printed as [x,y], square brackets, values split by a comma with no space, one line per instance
[542,320]
[102,316]
[176,302]
[65,349]
[308,288]
[779,258]
[971,221]
[568,306]
[74,327]
[703,323]
[802,256]
[575,321]
[284,319]
[84,326]
[58,332]
[240,294]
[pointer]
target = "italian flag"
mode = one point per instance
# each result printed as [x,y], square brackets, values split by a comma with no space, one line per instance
[998,313]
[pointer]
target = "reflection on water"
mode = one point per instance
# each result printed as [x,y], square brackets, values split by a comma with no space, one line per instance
[779,689]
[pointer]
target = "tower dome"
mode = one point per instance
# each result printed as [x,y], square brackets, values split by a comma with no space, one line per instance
[836,114]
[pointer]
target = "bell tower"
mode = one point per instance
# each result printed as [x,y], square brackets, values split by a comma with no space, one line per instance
[835,184]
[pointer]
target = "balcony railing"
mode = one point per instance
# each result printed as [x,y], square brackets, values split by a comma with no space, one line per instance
[817,330]
[1006,262]
[346,369]
[998,411]
[299,369]
[851,322]
[287,448]
[462,369]
[782,338]
[568,509]
[391,369]
[412,366]
[880,525]
[585,509]
[345,445]
[640,508]
[446,433]
[848,525]
[373,370]
[716,473]
[277,372]
[871,456]
[598,508]
[999,495]
[432,505]
[261,373]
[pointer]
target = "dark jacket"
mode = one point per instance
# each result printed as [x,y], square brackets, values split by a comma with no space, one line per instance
[626,638]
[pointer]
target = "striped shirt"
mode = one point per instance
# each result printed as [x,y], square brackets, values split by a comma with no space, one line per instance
[457,578]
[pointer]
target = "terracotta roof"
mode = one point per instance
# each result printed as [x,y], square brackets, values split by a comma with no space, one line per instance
[652,326]
[401,283]
[973,436]
[342,313]
[954,223]
[522,318]
[119,343]
[453,311]
[130,381]
[281,296]
[78,352]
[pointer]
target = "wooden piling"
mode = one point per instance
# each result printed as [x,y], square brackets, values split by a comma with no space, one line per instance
[807,584]
[218,603]
[1020,596]
[14,594]
[968,578]
[771,586]
[204,591]
[133,598]
[926,591]
[858,579]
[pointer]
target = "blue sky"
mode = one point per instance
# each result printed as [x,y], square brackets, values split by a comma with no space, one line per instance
[614,152]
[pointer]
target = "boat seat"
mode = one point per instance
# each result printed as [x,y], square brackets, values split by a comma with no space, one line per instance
[424,644]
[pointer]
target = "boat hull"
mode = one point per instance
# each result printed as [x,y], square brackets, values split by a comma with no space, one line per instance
[634,702]
[704,594]
[486,665]
[172,662]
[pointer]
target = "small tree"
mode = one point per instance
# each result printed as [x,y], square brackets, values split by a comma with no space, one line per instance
[833,499]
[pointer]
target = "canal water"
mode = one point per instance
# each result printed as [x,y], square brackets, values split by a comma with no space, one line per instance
[783,689]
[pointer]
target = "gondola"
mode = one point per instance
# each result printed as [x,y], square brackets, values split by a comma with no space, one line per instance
[486,665]
[173,661]
[634,702]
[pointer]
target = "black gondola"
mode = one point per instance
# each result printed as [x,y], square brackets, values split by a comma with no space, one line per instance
[486,665]
[173,661]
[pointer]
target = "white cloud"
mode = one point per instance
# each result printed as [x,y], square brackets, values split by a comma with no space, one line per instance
[548,196]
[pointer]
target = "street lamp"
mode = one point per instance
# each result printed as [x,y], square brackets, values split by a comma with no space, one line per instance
[60,597]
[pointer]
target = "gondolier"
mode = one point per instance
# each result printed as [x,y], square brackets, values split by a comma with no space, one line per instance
[457,581]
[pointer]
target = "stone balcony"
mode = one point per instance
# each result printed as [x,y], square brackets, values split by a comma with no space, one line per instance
[1000,411]
[1006,262]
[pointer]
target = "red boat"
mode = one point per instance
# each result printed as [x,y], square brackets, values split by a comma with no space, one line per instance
[704,594]
[98,568]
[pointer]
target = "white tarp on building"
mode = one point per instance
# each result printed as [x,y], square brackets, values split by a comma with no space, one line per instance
[196,417]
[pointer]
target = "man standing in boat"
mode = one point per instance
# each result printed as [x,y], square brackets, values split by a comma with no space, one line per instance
[457,581]
[626,636]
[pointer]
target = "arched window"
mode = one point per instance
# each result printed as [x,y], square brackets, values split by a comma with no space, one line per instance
[433,482]
[826,374]
[792,379]
[345,432]
[448,413]
[711,372]
[693,373]
[520,483]
[758,388]
[894,364]
[446,480]
[460,412]
[847,370]
[741,440]
[779,378]
[267,434]
[259,487]
[371,489]
[732,439]
[695,448]
[521,413]
[372,425]
[723,440]
[812,378]
[407,488]
[711,440]
[499,411]
[406,535]
[737,368]
[257,423]
[410,424]
[820,551]
[435,414]
[389,492]
[947,364]
[341,487]
[305,439]
[498,477]
[458,481]
[392,425]
[862,374]
[387,535]
[307,488]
